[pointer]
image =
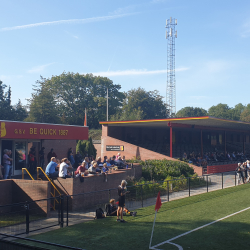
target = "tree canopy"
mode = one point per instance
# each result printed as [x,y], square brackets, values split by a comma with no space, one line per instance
[71,93]
[191,112]
[8,112]
[141,104]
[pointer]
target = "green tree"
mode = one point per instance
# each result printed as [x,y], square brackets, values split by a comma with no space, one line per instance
[245,115]
[220,111]
[236,112]
[75,92]
[42,107]
[20,111]
[142,104]
[6,109]
[86,147]
[191,112]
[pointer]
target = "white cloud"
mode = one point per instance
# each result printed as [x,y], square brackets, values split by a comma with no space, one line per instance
[39,69]
[133,72]
[70,21]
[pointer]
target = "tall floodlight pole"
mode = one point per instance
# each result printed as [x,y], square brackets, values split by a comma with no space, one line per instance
[171,34]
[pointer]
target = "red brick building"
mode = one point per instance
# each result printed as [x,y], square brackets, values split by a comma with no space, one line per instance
[19,137]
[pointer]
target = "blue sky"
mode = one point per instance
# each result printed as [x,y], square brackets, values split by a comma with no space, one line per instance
[125,41]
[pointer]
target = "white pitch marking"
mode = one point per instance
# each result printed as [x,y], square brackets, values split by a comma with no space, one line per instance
[176,237]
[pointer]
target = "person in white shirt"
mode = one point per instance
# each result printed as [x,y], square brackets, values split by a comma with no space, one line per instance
[64,166]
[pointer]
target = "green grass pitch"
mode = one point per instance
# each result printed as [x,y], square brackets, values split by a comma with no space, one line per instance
[174,218]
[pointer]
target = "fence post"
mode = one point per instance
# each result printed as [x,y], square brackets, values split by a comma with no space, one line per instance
[235,178]
[67,221]
[168,189]
[61,208]
[189,186]
[222,180]
[207,183]
[27,217]
[141,196]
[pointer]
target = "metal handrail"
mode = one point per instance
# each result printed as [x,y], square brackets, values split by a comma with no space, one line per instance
[47,178]
[27,172]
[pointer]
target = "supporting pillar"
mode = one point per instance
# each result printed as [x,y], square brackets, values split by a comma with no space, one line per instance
[201,144]
[171,140]
[225,133]
[243,143]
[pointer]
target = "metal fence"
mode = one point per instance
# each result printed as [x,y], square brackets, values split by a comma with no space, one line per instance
[29,217]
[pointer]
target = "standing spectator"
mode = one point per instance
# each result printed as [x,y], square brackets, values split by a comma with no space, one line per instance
[41,157]
[71,159]
[31,158]
[51,168]
[78,159]
[122,191]
[51,154]
[63,169]
[70,151]
[1,173]
[7,164]
[118,155]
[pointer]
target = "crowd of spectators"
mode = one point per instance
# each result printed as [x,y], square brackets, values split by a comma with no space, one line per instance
[78,166]
[213,157]
[243,172]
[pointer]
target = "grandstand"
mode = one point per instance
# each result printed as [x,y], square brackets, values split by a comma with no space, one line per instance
[207,141]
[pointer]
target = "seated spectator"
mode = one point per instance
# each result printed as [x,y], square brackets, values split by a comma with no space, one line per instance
[64,166]
[124,160]
[119,163]
[86,160]
[105,168]
[112,161]
[80,170]
[108,163]
[92,168]
[99,162]
[51,168]
[111,209]
[105,159]
[184,156]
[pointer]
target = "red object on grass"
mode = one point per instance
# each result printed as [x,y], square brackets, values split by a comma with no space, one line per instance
[158,202]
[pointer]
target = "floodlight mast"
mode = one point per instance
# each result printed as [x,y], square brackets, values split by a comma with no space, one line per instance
[171,34]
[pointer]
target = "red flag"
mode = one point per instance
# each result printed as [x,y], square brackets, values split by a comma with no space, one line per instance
[158,202]
[85,119]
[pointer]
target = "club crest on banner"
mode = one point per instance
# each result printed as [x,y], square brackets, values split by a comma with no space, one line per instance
[3,129]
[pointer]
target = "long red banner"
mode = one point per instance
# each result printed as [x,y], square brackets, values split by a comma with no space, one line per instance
[23,130]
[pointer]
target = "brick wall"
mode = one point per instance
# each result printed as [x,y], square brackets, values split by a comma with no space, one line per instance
[98,149]
[5,194]
[18,190]
[94,183]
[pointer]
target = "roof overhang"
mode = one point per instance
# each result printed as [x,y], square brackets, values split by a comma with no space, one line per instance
[203,122]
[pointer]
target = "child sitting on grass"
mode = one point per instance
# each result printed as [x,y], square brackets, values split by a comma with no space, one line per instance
[111,209]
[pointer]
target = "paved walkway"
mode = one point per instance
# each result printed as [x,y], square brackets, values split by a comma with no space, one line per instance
[215,183]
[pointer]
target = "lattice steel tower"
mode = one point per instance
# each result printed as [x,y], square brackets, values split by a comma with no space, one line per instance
[171,34]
